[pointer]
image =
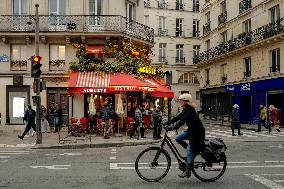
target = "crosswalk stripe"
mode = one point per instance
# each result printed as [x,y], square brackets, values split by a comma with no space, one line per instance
[259,134]
[247,135]
[220,134]
[4,157]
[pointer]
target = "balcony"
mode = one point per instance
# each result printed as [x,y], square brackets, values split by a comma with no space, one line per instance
[222,18]
[207,27]
[81,24]
[147,4]
[243,39]
[247,74]
[179,6]
[162,5]
[180,60]
[162,32]
[207,82]
[244,5]
[18,65]
[57,65]
[275,69]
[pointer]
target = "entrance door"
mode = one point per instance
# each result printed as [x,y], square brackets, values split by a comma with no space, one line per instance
[60,96]
[245,110]
[275,98]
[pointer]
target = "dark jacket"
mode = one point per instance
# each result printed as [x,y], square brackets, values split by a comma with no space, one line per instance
[195,128]
[235,124]
[29,116]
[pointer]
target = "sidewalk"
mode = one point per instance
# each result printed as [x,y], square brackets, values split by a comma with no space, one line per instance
[51,140]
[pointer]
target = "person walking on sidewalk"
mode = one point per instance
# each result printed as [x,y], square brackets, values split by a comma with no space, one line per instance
[56,117]
[235,124]
[262,117]
[106,117]
[157,121]
[137,122]
[45,128]
[29,117]
[273,118]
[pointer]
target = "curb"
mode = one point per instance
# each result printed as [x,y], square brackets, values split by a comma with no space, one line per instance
[93,145]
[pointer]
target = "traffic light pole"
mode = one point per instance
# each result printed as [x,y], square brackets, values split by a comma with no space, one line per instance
[38,103]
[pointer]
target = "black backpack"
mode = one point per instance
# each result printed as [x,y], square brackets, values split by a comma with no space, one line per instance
[214,150]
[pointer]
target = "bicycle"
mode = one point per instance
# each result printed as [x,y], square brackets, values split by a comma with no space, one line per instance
[160,160]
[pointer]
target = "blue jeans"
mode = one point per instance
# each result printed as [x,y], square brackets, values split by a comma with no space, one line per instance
[181,140]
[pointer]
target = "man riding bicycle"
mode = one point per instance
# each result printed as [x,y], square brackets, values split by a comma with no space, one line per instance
[195,132]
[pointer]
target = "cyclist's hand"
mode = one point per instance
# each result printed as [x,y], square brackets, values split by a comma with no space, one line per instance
[169,128]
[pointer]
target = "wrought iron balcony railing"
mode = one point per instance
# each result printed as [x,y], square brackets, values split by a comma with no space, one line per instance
[207,27]
[162,32]
[224,78]
[275,69]
[207,82]
[247,74]
[180,60]
[222,18]
[244,5]
[77,23]
[242,40]
[162,5]
[18,65]
[179,6]
[57,65]
[147,4]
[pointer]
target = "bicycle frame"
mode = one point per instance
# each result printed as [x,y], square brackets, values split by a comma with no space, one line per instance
[173,148]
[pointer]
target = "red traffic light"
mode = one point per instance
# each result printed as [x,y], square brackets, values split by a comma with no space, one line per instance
[37,59]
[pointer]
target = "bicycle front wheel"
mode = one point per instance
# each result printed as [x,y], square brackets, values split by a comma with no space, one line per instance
[209,172]
[153,164]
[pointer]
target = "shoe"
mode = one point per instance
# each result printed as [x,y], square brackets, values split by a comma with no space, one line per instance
[106,137]
[258,131]
[240,134]
[143,137]
[278,130]
[33,133]
[234,134]
[20,137]
[187,172]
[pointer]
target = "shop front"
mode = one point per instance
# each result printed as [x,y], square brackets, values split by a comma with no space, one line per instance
[252,94]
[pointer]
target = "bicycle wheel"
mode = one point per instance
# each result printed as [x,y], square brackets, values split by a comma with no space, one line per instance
[209,172]
[152,170]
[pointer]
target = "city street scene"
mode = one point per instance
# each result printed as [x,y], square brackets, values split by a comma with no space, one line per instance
[142,94]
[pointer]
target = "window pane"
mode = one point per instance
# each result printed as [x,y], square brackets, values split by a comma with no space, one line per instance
[53,6]
[61,52]
[92,6]
[100,7]
[53,52]
[23,6]
[16,7]
[62,7]
[16,51]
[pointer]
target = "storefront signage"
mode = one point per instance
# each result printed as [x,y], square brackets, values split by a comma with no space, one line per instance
[130,88]
[4,58]
[91,90]
[147,70]
[230,88]
[245,87]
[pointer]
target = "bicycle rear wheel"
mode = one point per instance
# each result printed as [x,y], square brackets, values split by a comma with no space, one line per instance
[153,169]
[209,172]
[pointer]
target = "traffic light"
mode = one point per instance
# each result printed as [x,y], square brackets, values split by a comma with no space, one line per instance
[35,61]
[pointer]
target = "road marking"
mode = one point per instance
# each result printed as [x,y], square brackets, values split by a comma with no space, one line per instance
[259,134]
[221,134]
[14,151]
[4,157]
[230,133]
[279,181]
[53,167]
[113,150]
[264,181]
[71,154]
[242,162]
[112,157]
[273,161]
[4,161]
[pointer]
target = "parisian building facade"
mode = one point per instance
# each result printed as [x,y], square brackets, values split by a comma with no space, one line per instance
[91,22]
[176,25]
[241,57]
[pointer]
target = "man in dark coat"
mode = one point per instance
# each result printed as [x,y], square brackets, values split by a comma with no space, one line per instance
[235,124]
[29,117]
[195,132]
[157,120]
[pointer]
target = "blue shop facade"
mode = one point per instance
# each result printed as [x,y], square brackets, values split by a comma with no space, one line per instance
[250,95]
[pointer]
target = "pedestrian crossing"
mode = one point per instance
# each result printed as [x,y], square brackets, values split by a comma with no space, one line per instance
[218,132]
[6,155]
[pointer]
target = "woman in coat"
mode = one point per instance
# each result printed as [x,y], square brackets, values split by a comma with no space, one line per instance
[195,132]
[235,124]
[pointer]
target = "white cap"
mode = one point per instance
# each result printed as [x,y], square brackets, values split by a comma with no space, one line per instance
[185,97]
[236,106]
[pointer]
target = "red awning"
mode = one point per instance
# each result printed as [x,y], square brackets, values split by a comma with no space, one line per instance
[161,91]
[94,82]
[95,49]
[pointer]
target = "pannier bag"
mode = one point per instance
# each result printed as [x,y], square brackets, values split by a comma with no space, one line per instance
[214,150]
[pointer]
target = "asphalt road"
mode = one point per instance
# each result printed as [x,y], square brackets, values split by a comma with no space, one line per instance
[252,164]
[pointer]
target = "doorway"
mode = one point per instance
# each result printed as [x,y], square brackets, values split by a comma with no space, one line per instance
[245,110]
